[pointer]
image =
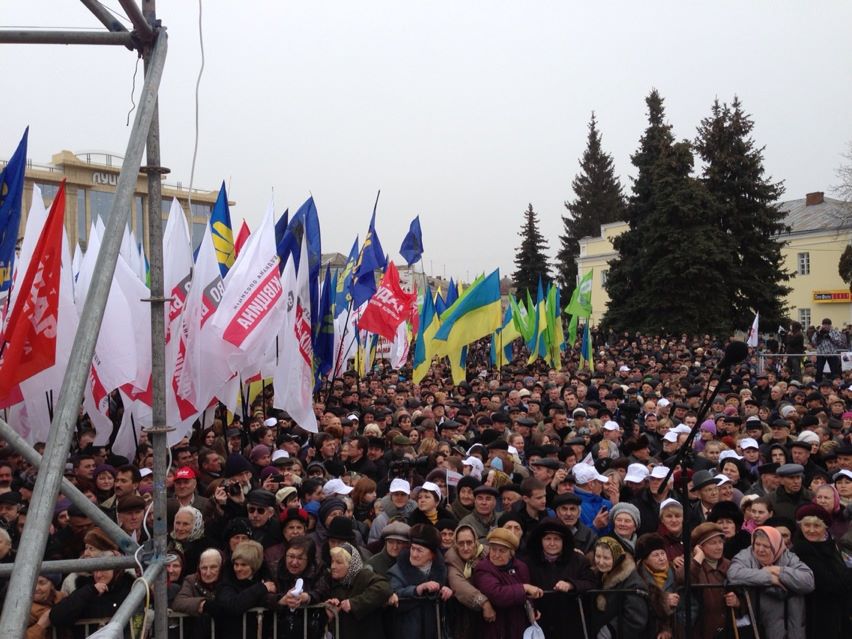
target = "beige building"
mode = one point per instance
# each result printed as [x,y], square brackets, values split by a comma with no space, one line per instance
[820,229]
[90,188]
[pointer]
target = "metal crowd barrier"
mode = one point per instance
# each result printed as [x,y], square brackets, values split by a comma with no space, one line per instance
[426,600]
[260,615]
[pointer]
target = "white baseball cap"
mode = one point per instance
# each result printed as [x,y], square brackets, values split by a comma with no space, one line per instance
[336,487]
[728,454]
[670,502]
[808,436]
[144,472]
[748,442]
[636,473]
[431,487]
[623,369]
[279,454]
[270,422]
[663,402]
[842,473]
[670,437]
[584,473]
[611,425]
[682,428]
[400,486]
[721,479]
[659,472]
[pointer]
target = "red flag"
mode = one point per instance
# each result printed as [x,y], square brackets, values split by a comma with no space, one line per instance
[31,335]
[388,308]
[242,236]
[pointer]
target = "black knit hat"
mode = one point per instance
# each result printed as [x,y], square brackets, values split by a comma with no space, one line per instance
[341,528]
[648,543]
[468,481]
[726,510]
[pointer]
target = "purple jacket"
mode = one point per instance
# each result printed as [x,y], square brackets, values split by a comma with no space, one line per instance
[504,589]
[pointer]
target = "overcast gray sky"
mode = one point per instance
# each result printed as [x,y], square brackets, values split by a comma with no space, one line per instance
[462,112]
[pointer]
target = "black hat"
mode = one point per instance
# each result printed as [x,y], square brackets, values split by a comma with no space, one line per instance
[233,432]
[468,481]
[552,526]
[808,420]
[427,536]
[376,442]
[447,523]
[500,418]
[499,444]
[648,543]
[726,510]
[130,502]
[567,498]
[486,490]
[295,514]
[703,478]
[236,464]
[801,444]
[341,528]
[261,497]
[505,488]
[767,469]
[13,498]
[547,462]
[526,421]
[238,526]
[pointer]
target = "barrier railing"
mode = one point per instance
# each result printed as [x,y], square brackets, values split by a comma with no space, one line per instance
[264,618]
[403,609]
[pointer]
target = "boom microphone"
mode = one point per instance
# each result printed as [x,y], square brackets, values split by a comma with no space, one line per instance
[735,353]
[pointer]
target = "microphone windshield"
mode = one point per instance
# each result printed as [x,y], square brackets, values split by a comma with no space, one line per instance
[735,353]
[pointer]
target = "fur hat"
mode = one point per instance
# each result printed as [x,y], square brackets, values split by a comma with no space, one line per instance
[503,537]
[97,538]
[427,536]
[648,543]
[705,532]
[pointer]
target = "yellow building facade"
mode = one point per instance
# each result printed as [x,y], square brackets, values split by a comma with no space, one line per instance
[820,230]
[91,180]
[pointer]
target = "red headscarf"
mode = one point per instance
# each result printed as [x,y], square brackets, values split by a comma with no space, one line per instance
[776,541]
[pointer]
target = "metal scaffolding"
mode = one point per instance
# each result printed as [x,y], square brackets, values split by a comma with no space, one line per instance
[150,40]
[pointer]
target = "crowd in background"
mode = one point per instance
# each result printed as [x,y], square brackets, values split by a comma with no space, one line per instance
[496,502]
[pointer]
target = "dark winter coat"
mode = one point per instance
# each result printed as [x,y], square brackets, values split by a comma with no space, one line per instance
[415,617]
[86,603]
[558,611]
[190,596]
[368,593]
[827,607]
[417,516]
[624,614]
[713,613]
[233,598]
[504,588]
[661,614]
[315,582]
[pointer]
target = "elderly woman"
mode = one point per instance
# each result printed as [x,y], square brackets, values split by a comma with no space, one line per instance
[357,595]
[554,565]
[243,589]
[45,597]
[709,567]
[671,530]
[618,614]
[419,571]
[827,607]
[828,497]
[94,597]
[659,576]
[197,595]
[626,520]
[187,536]
[783,579]
[299,562]
[469,607]
[505,581]
[429,510]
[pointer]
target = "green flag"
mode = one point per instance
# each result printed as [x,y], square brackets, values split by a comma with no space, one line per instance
[581,299]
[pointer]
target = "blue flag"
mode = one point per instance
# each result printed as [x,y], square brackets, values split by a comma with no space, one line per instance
[222,232]
[371,259]
[305,221]
[11,192]
[342,296]
[324,342]
[280,232]
[440,304]
[452,293]
[412,246]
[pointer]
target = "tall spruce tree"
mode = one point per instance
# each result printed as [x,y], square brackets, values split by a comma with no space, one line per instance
[530,260]
[626,275]
[685,257]
[734,175]
[599,200]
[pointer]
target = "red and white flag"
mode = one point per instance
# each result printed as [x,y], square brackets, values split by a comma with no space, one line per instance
[753,336]
[242,238]
[293,380]
[251,310]
[201,367]
[32,326]
[389,307]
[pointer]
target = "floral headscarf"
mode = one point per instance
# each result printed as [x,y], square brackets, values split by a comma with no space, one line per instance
[197,523]
[355,563]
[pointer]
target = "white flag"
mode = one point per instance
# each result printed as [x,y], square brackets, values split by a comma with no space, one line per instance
[753,331]
[294,377]
[250,312]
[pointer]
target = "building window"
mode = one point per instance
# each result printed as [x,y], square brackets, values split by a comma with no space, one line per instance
[82,222]
[804,264]
[48,192]
[197,234]
[100,204]
[604,273]
[805,317]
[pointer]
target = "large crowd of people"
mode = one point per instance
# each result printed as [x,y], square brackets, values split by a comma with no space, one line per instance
[523,495]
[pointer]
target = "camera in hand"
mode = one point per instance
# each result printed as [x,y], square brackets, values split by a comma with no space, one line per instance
[233,488]
[401,467]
